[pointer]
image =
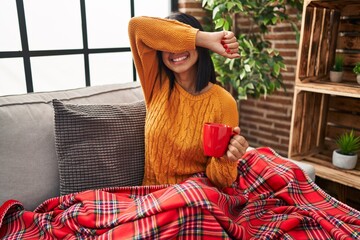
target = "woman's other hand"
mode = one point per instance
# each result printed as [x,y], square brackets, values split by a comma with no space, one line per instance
[223,43]
[237,146]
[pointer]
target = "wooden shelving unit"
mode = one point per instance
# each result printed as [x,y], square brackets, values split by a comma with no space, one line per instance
[322,109]
[346,90]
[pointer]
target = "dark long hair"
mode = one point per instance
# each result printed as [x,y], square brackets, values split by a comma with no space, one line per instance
[205,66]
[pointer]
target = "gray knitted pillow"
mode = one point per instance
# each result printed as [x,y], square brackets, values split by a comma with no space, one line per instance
[99,145]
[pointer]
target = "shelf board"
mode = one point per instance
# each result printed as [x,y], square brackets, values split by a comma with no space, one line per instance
[325,169]
[340,89]
[339,4]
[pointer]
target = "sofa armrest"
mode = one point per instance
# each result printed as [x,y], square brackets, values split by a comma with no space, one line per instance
[307,168]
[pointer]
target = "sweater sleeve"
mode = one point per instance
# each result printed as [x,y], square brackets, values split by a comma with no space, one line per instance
[223,172]
[149,35]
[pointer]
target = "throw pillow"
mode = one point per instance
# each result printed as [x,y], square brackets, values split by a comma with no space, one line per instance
[99,145]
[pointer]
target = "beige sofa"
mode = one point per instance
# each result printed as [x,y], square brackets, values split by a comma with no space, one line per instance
[28,158]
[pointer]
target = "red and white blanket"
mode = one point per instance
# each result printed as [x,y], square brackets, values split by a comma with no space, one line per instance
[271,199]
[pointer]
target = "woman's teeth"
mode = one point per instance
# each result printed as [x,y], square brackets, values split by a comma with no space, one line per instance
[179,59]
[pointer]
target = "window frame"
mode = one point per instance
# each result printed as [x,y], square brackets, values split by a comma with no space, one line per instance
[26,54]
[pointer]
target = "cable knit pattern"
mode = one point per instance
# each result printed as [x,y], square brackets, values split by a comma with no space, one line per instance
[173,129]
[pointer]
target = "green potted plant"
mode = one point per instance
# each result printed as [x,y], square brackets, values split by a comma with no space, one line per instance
[346,154]
[337,71]
[356,70]
[259,70]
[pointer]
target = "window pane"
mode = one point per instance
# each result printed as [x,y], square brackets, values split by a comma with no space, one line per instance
[154,8]
[110,68]
[58,72]
[53,24]
[9,27]
[107,23]
[12,76]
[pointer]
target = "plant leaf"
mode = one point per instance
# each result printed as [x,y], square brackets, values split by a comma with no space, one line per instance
[226,26]
[219,23]
[231,65]
[230,5]
[204,2]
[215,11]
[276,69]
[242,74]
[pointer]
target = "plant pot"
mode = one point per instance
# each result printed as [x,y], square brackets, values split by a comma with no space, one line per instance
[358,78]
[336,76]
[344,161]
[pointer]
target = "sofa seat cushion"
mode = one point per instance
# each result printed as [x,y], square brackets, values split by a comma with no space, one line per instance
[99,146]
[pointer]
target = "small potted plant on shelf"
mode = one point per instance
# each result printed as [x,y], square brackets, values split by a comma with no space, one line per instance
[337,71]
[346,154]
[356,70]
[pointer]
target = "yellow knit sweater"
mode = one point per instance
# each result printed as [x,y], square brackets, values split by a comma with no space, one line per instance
[173,129]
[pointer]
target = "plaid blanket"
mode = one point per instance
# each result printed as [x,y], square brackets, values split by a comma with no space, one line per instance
[271,199]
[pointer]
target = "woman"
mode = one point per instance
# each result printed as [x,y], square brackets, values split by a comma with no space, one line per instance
[177,75]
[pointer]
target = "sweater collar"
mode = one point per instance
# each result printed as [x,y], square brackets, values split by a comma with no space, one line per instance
[203,95]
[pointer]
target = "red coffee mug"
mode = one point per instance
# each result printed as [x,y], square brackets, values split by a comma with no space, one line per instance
[216,138]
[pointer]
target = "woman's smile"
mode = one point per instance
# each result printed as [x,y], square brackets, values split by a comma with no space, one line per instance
[180,62]
[179,58]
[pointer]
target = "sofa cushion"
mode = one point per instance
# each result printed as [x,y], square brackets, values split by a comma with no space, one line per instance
[99,145]
[28,164]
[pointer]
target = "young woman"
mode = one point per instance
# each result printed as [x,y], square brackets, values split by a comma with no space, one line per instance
[178,80]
